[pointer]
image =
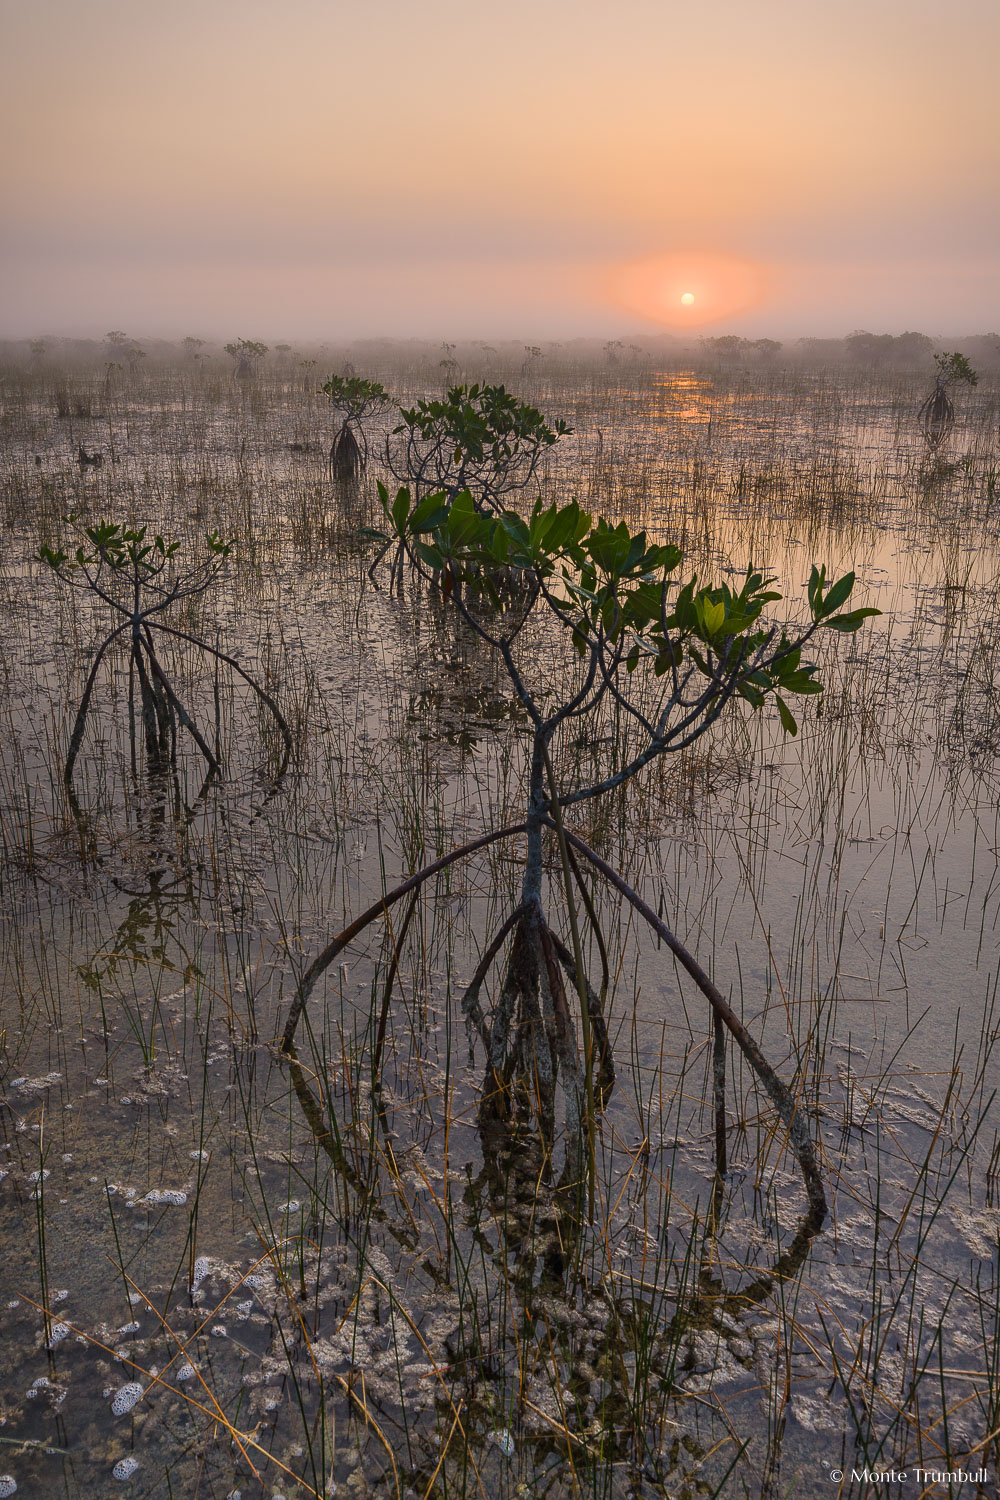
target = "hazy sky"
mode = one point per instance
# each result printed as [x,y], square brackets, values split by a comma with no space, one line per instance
[311,168]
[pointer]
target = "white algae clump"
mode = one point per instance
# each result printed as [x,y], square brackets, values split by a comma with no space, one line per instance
[8,1484]
[126,1398]
[125,1468]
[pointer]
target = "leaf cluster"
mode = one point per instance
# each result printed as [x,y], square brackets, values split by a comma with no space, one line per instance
[481,422]
[955,369]
[355,398]
[118,546]
[246,349]
[478,437]
[616,592]
[115,556]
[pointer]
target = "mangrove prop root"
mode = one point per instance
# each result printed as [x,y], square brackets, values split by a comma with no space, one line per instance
[183,715]
[469,1005]
[532,1043]
[347,462]
[313,1111]
[160,706]
[152,713]
[793,1117]
[397,942]
[535,1038]
[936,417]
[595,925]
[322,962]
[76,738]
[598,1025]
[262,694]
[521,1038]
[566,1058]
[581,983]
[496,1102]
[532,1003]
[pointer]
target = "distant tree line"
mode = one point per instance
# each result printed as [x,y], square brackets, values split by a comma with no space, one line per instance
[910,350]
[731,346]
[247,358]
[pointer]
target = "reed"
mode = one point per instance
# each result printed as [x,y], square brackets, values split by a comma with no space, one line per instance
[434,1316]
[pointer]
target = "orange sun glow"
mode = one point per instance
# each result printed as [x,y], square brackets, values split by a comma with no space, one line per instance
[687,289]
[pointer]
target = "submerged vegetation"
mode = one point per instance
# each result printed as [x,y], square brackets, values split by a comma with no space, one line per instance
[475,1199]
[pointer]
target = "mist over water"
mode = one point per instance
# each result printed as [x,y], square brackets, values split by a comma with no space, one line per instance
[437,171]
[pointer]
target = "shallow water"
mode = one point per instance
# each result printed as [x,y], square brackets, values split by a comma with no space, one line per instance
[400,1276]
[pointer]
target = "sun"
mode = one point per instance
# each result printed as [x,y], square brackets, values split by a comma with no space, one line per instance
[687,289]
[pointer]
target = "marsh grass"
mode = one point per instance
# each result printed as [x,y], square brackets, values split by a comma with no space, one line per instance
[406,1302]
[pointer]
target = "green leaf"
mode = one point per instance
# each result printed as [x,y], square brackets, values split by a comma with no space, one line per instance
[431,513]
[750,694]
[668,656]
[788,723]
[400,509]
[839,591]
[800,682]
[817,580]
[562,528]
[499,545]
[850,622]
[713,616]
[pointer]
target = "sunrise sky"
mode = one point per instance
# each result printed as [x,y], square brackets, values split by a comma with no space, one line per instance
[310,168]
